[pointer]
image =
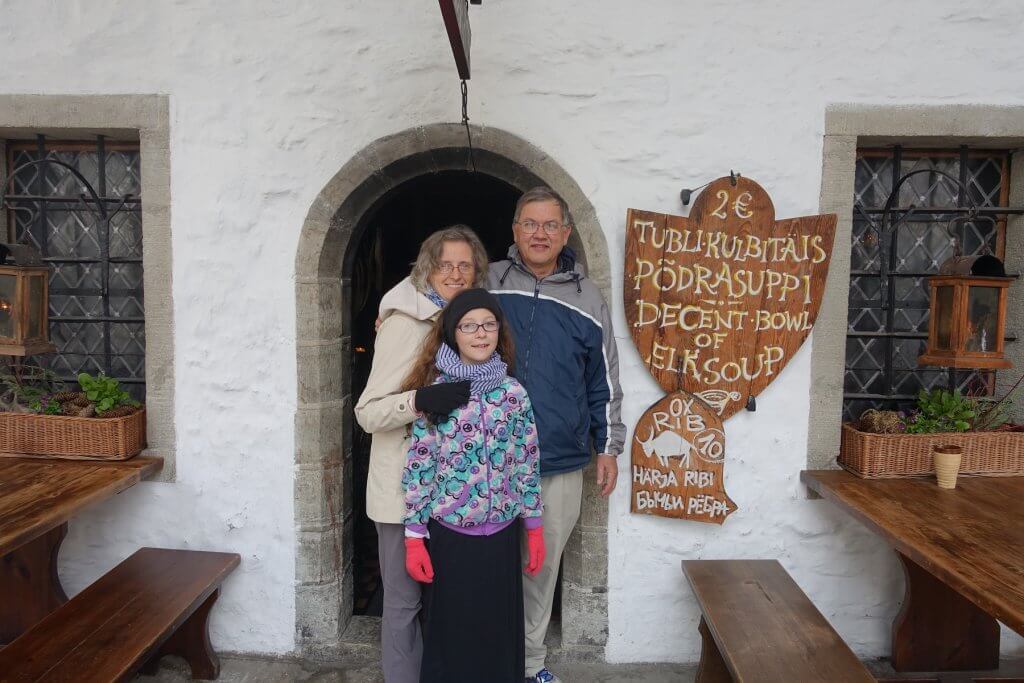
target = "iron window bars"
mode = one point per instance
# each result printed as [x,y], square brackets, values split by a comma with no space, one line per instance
[80,205]
[889,297]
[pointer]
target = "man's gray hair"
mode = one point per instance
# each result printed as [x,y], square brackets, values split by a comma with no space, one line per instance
[544,194]
[429,257]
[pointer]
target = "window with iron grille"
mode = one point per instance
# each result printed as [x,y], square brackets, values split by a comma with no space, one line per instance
[888,326]
[97,319]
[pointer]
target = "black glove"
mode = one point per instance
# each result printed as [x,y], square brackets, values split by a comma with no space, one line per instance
[438,400]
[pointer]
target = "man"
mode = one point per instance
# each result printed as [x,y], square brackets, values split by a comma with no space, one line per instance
[566,359]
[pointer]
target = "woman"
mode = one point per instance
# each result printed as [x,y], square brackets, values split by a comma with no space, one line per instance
[449,261]
[470,476]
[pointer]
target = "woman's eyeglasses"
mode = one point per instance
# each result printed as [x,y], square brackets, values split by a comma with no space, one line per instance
[471,328]
[447,268]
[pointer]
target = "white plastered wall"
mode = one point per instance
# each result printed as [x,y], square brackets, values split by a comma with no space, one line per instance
[635,100]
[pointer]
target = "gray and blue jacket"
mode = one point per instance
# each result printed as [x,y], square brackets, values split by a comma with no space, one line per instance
[565,357]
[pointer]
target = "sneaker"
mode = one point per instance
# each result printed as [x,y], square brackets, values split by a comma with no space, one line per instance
[544,676]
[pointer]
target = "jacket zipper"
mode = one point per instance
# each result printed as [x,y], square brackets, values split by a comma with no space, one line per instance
[487,459]
[533,315]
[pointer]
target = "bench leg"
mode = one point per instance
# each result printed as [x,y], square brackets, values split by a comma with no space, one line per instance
[191,642]
[712,667]
[937,629]
[29,586]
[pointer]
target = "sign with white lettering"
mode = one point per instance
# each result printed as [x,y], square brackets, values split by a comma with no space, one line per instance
[718,303]
[678,455]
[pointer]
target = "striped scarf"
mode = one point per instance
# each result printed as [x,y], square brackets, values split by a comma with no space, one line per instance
[483,378]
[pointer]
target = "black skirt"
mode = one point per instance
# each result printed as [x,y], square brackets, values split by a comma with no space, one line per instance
[474,630]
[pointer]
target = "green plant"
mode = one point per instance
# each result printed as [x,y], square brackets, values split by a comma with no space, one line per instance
[105,392]
[46,405]
[942,411]
[24,388]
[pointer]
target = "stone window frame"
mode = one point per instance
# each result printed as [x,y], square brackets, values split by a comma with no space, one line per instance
[144,119]
[324,625]
[848,127]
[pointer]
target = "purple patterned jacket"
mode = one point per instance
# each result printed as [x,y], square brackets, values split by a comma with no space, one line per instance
[477,471]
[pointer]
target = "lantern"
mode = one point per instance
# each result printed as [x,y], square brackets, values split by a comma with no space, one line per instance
[968,314]
[24,323]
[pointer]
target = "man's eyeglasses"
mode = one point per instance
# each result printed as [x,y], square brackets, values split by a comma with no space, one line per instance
[471,328]
[447,268]
[530,227]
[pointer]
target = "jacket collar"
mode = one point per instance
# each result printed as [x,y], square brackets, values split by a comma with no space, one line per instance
[405,298]
[567,269]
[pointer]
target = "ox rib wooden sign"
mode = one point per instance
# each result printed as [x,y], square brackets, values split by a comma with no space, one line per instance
[720,301]
[678,455]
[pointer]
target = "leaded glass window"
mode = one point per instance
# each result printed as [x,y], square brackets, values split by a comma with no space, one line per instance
[887,329]
[97,319]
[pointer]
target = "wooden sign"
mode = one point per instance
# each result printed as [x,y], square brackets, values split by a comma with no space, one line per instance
[718,303]
[678,458]
[456,22]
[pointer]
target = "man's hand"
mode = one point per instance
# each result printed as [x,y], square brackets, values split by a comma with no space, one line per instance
[607,473]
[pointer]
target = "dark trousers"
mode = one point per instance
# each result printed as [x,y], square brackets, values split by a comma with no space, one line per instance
[474,631]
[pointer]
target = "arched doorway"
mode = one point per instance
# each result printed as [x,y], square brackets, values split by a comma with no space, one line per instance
[331,272]
[383,245]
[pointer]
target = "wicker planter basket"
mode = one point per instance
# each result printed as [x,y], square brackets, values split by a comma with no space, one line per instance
[76,438]
[876,456]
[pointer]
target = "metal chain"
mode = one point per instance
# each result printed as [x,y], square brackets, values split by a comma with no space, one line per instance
[465,122]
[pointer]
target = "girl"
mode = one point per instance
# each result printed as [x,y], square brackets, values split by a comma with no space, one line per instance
[449,261]
[469,475]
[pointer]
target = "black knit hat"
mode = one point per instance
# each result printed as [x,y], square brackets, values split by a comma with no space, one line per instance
[464,302]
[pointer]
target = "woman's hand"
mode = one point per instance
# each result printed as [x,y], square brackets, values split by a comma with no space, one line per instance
[535,550]
[441,399]
[417,560]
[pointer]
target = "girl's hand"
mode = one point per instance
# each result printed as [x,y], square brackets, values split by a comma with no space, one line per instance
[535,549]
[417,560]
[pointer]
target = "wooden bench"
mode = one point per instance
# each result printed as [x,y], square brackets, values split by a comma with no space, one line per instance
[154,603]
[757,625]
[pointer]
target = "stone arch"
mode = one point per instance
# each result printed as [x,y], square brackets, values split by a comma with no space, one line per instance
[323,476]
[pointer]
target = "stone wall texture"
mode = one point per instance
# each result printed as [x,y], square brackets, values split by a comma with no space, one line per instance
[634,100]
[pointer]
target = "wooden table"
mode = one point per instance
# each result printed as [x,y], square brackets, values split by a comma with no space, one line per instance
[962,552]
[37,498]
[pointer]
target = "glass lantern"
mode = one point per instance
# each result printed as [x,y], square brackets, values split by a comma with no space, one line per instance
[24,320]
[968,315]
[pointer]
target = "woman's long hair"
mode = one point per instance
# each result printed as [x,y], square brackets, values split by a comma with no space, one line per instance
[424,371]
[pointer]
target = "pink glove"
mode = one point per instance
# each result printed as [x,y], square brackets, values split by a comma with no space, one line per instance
[535,549]
[417,560]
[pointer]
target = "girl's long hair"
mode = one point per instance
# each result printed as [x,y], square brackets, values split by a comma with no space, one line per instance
[424,371]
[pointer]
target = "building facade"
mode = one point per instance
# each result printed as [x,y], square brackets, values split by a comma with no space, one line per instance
[271,138]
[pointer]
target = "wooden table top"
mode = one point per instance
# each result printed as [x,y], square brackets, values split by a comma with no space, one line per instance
[971,538]
[38,495]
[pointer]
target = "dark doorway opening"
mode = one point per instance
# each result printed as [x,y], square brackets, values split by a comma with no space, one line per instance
[388,239]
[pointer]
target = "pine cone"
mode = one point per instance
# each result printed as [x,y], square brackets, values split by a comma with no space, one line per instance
[69,409]
[119,411]
[81,401]
[65,396]
[88,411]
[880,421]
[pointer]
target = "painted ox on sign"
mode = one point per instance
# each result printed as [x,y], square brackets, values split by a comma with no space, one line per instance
[666,445]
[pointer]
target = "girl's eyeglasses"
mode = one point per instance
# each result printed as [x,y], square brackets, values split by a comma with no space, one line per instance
[471,328]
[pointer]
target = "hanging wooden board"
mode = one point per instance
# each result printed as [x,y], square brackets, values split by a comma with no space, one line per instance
[718,302]
[678,461]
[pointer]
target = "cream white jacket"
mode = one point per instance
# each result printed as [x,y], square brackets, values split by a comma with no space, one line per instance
[383,410]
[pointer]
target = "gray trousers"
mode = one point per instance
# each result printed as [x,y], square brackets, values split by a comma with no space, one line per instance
[563,497]
[401,642]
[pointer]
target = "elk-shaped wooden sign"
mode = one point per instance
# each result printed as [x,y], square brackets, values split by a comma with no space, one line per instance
[717,304]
